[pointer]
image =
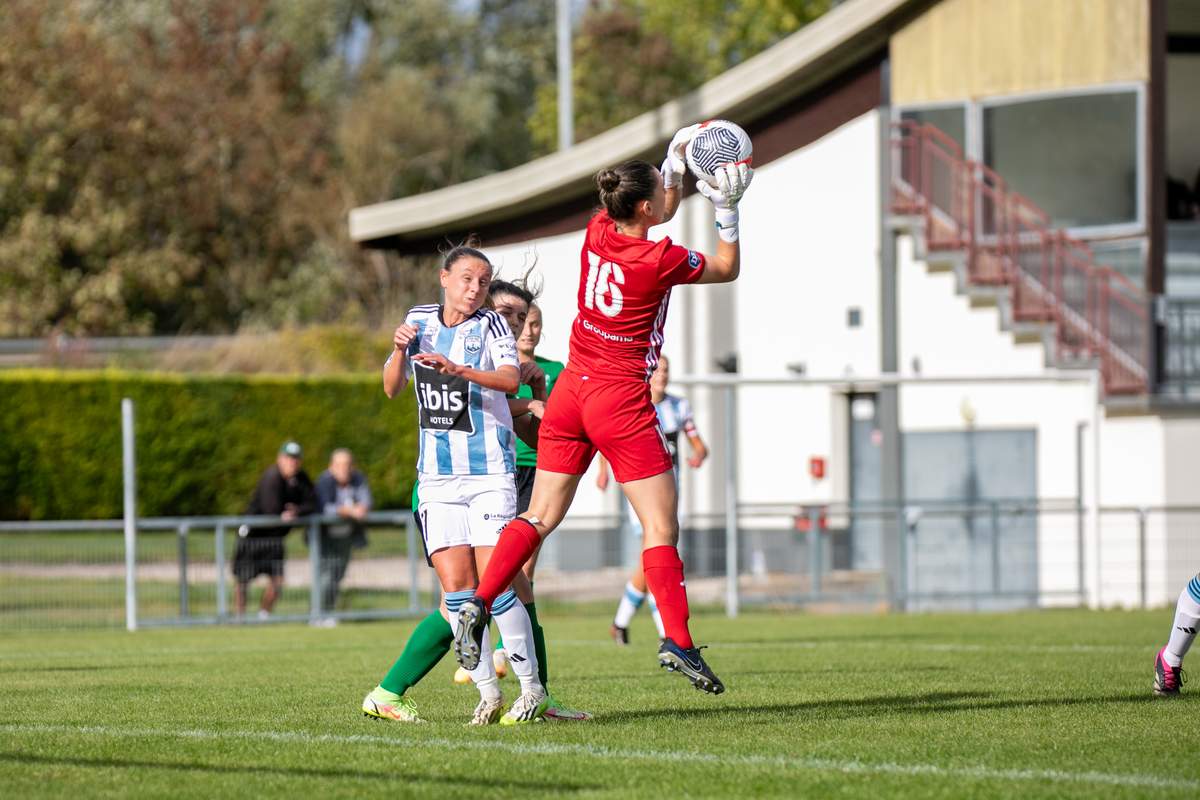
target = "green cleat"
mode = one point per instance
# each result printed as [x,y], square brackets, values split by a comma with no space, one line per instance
[557,712]
[382,704]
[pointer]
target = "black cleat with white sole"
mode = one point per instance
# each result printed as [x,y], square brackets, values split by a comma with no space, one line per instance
[691,664]
[473,620]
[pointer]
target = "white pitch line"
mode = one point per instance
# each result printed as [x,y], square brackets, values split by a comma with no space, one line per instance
[803,763]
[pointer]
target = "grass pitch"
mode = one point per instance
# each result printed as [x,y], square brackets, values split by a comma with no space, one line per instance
[1053,704]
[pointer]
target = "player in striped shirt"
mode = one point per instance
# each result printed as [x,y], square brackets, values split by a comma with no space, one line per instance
[462,361]
[674,418]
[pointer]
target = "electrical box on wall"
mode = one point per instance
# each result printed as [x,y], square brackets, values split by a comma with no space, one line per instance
[816,467]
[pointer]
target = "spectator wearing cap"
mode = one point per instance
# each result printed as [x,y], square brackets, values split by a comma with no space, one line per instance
[342,492]
[286,491]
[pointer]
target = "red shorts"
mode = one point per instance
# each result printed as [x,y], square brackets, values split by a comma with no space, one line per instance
[615,417]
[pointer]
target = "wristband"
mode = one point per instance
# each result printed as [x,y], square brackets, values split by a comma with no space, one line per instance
[669,176]
[727,224]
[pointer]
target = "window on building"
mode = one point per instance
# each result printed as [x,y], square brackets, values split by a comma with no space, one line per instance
[1075,157]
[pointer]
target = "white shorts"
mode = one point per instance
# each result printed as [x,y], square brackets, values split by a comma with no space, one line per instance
[471,510]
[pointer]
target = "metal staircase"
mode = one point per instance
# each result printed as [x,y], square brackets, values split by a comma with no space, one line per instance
[1048,285]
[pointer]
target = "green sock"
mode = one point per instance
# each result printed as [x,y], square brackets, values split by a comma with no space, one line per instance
[539,642]
[430,640]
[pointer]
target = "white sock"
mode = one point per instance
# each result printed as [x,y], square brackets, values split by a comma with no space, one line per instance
[1187,622]
[662,632]
[631,601]
[484,675]
[513,621]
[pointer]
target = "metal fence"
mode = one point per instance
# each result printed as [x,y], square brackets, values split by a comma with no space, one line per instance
[186,570]
[989,555]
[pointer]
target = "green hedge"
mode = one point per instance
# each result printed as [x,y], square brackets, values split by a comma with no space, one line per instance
[202,442]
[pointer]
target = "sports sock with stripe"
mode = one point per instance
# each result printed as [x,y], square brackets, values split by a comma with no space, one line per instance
[518,541]
[1187,622]
[514,624]
[664,579]
[430,640]
[631,601]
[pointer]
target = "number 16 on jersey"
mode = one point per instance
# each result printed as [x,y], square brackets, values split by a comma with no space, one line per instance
[603,288]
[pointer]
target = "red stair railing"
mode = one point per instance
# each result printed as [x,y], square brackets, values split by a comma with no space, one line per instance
[1096,313]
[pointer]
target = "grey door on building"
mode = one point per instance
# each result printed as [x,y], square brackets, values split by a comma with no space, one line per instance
[964,550]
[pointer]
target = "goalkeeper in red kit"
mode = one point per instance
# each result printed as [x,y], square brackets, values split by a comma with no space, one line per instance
[601,401]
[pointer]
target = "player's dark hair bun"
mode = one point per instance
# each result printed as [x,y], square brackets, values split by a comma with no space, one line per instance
[624,186]
[608,180]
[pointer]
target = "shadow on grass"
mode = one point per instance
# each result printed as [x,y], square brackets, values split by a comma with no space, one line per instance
[928,704]
[825,638]
[480,783]
[652,675]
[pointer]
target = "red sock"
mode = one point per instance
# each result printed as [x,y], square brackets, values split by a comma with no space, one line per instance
[518,541]
[664,579]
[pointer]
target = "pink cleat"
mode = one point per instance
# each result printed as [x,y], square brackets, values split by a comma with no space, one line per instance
[1167,679]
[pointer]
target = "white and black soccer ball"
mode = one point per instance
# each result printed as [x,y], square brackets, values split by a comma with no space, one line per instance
[717,143]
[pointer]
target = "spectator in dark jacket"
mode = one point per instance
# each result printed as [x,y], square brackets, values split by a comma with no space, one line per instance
[284,490]
[342,492]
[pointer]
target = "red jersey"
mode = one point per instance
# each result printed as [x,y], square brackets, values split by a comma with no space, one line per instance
[624,288]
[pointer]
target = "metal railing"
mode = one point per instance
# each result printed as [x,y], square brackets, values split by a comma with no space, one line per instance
[982,555]
[185,569]
[1007,241]
[1181,365]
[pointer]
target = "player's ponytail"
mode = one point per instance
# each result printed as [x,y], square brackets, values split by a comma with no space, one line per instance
[624,186]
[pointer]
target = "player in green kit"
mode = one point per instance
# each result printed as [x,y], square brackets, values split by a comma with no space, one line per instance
[527,342]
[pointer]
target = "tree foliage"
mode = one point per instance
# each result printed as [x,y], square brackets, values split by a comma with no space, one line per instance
[187,165]
[633,55]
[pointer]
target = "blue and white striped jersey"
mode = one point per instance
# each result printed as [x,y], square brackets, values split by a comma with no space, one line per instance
[675,415]
[465,428]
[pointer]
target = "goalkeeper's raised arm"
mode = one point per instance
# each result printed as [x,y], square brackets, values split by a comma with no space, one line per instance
[732,182]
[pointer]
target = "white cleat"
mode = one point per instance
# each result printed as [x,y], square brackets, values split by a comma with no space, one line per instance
[488,711]
[530,707]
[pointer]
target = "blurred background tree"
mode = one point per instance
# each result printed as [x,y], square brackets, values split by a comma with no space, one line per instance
[186,166]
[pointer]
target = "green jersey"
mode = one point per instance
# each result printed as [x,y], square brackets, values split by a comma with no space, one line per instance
[526,455]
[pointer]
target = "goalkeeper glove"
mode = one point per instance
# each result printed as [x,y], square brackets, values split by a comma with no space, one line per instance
[732,182]
[676,161]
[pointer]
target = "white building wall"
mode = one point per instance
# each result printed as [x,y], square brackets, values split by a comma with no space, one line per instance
[810,254]
[1180,558]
